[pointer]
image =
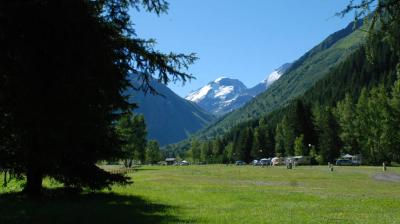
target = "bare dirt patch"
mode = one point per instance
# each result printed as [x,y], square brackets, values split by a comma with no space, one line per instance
[391,177]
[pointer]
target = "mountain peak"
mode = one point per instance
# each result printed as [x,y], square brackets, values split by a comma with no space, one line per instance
[220,78]
[218,96]
[225,94]
[276,74]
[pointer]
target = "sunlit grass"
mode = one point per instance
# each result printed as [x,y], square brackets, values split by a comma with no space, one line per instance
[246,194]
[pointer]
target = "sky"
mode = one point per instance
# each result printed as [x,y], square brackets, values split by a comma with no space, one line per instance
[242,39]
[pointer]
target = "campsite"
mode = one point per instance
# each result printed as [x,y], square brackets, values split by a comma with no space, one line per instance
[200,111]
[224,194]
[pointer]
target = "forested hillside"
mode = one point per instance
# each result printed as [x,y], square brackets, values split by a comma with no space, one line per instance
[307,70]
[354,109]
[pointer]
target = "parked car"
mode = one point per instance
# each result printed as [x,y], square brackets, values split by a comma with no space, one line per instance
[240,163]
[344,162]
[184,163]
[301,160]
[265,162]
[256,163]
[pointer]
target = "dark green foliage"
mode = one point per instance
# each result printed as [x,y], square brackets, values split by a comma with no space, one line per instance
[206,152]
[153,152]
[329,144]
[300,148]
[346,118]
[63,69]
[133,134]
[195,151]
[373,118]
[263,142]
[339,124]
[279,140]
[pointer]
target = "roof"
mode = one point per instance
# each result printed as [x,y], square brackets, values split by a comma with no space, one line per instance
[170,159]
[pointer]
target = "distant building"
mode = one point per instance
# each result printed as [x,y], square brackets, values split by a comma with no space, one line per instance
[170,161]
[356,159]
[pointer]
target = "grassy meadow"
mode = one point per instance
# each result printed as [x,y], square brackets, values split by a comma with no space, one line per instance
[221,194]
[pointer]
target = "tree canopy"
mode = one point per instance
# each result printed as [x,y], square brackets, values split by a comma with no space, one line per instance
[63,69]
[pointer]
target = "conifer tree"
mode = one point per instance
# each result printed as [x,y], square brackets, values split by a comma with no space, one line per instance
[328,139]
[153,152]
[299,148]
[64,68]
[132,131]
[279,140]
[195,149]
[372,118]
[346,117]
[394,122]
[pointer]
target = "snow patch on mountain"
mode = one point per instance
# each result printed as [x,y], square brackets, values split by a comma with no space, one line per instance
[275,75]
[223,91]
[200,94]
[225,94]
[219,96]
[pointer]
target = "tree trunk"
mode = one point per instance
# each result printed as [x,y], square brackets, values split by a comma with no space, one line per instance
[34,179]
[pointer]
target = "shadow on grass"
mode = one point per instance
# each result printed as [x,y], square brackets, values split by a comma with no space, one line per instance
[82,208]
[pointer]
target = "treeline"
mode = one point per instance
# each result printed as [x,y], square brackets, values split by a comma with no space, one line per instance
[354,109]
[132,132]
[367,126]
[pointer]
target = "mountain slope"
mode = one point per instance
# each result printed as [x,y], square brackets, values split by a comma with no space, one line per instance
[169,118]
[304,72]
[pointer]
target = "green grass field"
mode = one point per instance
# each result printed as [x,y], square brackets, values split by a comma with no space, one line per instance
[222,194]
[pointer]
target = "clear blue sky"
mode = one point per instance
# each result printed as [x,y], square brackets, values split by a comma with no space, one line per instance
[243,39]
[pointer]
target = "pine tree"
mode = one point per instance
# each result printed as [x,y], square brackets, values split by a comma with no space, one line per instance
[279,140]
[195,149]
[133,133]
[230,152]
[372,119]
[206,152]
[328,137]
[153,152]
[394,122]
[263,143]
[346,117]
[289,135]
[66,62]
[217,150]
[299,148]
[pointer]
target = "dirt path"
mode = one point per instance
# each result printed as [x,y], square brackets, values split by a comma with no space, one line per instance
[392,177]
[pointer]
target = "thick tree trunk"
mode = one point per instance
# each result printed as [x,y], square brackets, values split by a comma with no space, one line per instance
[33,182]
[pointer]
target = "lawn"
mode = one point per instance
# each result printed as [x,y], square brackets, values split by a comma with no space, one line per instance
[223,194]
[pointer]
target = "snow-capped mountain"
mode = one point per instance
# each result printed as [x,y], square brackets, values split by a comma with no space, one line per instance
[225,94]
[220,96]
[271,78]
